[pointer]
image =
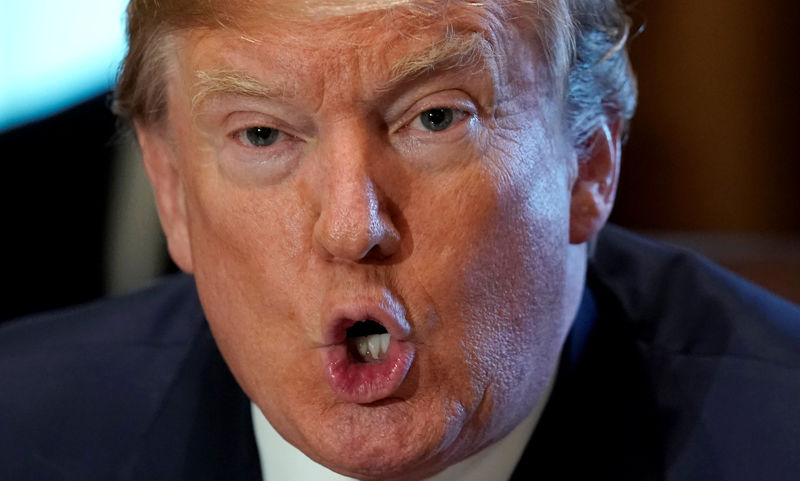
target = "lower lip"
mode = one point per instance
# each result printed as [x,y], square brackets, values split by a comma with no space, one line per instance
[363,383]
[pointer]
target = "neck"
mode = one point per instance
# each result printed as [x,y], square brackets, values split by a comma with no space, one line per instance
[575,278]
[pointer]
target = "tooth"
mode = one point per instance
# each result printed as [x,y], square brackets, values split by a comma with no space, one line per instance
[374,346]
[385,343]
[361,344]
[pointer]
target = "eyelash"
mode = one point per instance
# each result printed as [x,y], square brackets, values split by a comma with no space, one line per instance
[456,117]
[240,136]
[243,135]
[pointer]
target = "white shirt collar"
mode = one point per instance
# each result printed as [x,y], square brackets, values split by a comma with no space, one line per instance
[280,461]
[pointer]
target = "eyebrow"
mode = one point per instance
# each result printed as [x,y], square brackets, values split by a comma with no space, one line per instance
[455,51]
[231,81]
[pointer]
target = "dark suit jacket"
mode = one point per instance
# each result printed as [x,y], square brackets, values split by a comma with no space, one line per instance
[674,370]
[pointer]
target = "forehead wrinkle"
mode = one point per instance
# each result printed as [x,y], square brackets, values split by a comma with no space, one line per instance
[234,82]
[454,51]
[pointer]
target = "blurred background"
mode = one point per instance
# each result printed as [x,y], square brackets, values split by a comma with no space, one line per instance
[710,164]
[712,159]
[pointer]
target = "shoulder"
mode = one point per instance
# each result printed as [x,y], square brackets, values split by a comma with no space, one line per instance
[136,317]
[86,381]
[679,301]
[716,359]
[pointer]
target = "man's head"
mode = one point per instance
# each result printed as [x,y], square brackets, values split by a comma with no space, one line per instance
[345,172]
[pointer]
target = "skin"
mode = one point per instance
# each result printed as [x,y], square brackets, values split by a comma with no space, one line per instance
[477,230]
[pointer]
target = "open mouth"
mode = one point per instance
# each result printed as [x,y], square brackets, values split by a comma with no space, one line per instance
[367,351]
[367,341]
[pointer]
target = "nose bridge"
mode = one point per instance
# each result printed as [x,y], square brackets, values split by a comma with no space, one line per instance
[353,222]
[351,209]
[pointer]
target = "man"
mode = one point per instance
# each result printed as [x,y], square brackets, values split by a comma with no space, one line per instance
[386,209]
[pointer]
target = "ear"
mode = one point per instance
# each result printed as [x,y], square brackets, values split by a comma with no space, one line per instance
[161,164]
[596,186]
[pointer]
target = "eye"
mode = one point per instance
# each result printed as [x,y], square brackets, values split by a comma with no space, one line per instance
[437,119]
[258,136]
[440,119]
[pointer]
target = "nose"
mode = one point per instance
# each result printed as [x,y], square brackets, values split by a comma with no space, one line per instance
[355,222]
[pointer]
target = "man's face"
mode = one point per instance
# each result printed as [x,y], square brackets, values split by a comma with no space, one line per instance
[412,175]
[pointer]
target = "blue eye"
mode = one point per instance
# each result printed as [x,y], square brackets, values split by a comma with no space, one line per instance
[260,136]
[437,119]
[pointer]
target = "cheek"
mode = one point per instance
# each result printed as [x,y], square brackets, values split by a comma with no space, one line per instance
[516,281]
[523,264]
[240,236]
[245,244]
[494,267]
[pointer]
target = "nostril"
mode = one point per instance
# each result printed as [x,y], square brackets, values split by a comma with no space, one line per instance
[374,255]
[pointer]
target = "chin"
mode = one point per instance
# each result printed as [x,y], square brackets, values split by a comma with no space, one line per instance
[383,441]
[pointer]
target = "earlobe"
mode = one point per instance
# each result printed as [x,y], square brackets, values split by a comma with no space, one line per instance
[596,185]
[161,166]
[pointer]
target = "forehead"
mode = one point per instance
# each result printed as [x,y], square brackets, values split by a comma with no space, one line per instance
[238,11]
[400,39]
[353,24]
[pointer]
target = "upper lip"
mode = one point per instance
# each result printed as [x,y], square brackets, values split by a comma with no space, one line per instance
[385,310]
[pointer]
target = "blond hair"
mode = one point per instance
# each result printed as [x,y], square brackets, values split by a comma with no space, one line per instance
[583,40]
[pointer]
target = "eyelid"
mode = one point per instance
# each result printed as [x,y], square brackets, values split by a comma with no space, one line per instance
[237,129]
[459,116]
[246,119]
[458,101]
[239,136]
